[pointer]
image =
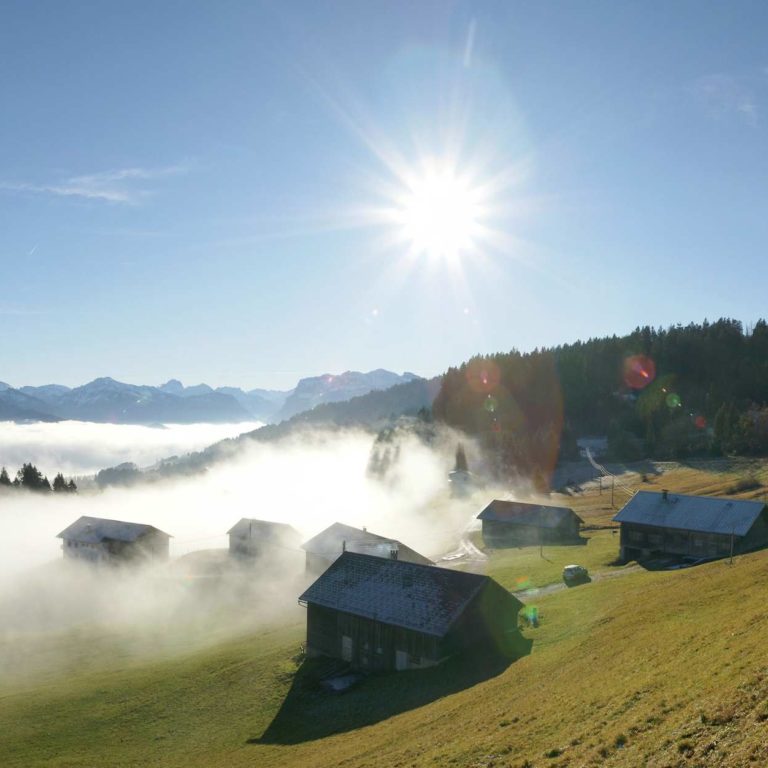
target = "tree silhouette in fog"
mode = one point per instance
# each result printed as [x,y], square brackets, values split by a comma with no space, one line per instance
[461,459]
[31,478]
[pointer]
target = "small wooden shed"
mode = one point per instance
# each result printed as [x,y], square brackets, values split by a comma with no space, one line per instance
[517,523]
[97,540]
[251,539]
[382,614]
[323,549]
[661,523]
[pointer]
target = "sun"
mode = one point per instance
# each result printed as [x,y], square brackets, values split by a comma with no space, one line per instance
[440,213]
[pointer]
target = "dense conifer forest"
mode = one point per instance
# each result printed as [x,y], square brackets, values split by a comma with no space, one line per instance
[700,389]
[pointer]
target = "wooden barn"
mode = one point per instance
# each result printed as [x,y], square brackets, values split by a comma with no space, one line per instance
[382,614]
[324,548]
[96,540]
[661,523]
[517,523]
[254,539]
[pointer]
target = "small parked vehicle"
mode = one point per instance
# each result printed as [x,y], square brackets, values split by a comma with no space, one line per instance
[575,574]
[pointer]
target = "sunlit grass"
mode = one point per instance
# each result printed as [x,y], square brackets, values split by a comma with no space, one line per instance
[648,668]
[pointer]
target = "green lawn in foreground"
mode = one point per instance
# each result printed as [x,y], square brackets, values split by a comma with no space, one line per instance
[639,670]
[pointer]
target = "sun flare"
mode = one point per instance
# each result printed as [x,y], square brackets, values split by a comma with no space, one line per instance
[440,213]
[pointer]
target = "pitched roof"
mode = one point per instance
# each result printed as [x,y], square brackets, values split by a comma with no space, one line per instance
[263,529]
[338,537]
[92,530]
[707,514]
[422,598]
[523,513]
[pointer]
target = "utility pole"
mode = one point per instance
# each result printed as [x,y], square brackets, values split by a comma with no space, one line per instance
[613,483]
[730,562]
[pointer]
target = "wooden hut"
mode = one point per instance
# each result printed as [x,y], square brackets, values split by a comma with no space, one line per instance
[661,523]
[517,524]
[251,539]
[97,540]
[382,614]
[323,549]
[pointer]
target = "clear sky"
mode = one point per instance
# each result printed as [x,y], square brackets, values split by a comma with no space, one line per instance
[236,192]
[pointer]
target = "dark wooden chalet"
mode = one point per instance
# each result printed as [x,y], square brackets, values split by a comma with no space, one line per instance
[517,523]
[661,523]
[383,614]
[324,548]
[254,539]
[96,540]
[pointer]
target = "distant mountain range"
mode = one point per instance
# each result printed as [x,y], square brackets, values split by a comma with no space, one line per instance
[109,401]
[373,411]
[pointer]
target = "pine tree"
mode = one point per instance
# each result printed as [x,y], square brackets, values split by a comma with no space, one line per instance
[4,479]
[461,459]
[59,483]
[71,486]
[30,477]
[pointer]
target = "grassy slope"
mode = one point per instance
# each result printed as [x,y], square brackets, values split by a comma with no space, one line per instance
[663,669]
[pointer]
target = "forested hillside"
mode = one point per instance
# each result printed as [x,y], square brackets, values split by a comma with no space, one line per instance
[700,388]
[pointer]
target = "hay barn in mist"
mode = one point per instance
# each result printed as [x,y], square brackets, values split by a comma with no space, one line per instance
[517,524]
[661,523]
[323,549]
[380,614]
[97,540]
[251,539]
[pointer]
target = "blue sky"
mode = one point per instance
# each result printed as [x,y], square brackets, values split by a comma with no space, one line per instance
[195,190]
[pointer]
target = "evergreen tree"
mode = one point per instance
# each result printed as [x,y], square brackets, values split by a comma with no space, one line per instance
[4,479]
[59,483]
[31,478]
[71,486]
[461,459]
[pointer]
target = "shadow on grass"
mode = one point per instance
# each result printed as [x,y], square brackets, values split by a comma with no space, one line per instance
[578,582]
[309,713]
[674,563]
[512,543]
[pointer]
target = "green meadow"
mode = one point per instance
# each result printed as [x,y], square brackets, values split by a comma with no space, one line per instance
[660,668]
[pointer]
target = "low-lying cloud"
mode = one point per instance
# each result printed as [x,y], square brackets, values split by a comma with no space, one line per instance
[308,481]
[83,448]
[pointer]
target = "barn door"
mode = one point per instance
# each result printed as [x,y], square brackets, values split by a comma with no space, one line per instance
[401,660]
[346,648]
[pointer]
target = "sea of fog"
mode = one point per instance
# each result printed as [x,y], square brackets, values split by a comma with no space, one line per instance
[308,481]
[83,448]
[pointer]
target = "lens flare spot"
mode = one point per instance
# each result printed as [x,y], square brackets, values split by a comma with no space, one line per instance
[700,422]
[522,582]
[639,371]
[531,613]
[483,376]
[673,400]
[490,404]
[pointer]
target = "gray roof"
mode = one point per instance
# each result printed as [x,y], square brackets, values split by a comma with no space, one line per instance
[92,530]
[264,529]
[707,514]
[422,598]
[338,537]
[523,513]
